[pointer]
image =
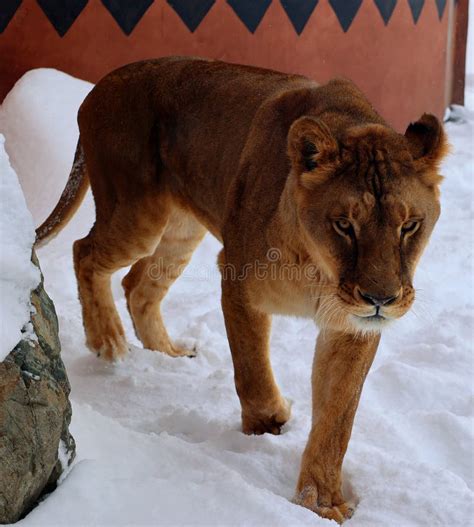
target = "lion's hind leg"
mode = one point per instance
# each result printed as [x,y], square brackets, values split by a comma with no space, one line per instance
[150,278]
[129,234]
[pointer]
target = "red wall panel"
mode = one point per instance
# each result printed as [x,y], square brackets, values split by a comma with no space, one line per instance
[401,65]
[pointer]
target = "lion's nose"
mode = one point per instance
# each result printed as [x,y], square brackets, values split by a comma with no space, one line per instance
[376,300]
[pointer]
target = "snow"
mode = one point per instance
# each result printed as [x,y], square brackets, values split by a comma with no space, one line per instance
[159,439]
[41,159]
[18,275]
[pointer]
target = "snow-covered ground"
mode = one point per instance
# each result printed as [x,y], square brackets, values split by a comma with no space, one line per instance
[159,439]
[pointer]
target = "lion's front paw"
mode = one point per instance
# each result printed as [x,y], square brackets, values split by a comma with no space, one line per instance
[266,420]
[326,506]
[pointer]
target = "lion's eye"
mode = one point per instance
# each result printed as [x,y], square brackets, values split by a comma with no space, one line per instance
[342,226]
[410,227]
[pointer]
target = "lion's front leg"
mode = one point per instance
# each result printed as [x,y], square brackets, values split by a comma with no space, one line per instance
[341,363]
[248,331]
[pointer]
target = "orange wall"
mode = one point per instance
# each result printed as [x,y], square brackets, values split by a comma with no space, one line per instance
[401,66]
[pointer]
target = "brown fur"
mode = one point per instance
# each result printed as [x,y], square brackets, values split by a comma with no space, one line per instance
[287,174]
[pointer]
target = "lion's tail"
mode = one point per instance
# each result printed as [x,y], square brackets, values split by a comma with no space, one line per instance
[72,196]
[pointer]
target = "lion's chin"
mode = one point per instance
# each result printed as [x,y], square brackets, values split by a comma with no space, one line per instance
[370,324]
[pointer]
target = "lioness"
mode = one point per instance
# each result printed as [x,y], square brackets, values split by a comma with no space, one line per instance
[269,163]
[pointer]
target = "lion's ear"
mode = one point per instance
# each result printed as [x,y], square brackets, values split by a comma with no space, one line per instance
[313,151]
[428,145]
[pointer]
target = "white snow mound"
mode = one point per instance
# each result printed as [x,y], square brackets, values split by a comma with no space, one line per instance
[18,276]
[40,136]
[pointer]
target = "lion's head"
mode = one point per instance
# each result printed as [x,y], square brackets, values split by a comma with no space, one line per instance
[367,200]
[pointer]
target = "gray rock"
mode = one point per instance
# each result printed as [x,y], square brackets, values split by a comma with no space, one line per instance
[35,413]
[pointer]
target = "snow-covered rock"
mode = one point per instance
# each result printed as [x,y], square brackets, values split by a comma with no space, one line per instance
[34,408]
[18,275]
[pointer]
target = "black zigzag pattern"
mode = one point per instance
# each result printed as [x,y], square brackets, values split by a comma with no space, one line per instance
[386,8]
[440,4]
[127,14]
[299,11]
[191,12]
[416,7]
[250,12]
[7,10]
[63,13]
[345,10]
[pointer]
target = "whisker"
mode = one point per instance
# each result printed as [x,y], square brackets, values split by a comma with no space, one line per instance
[423,313]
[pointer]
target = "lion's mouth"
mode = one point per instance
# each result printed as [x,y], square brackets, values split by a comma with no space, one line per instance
[375,322]
[374,317]
[377,317]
